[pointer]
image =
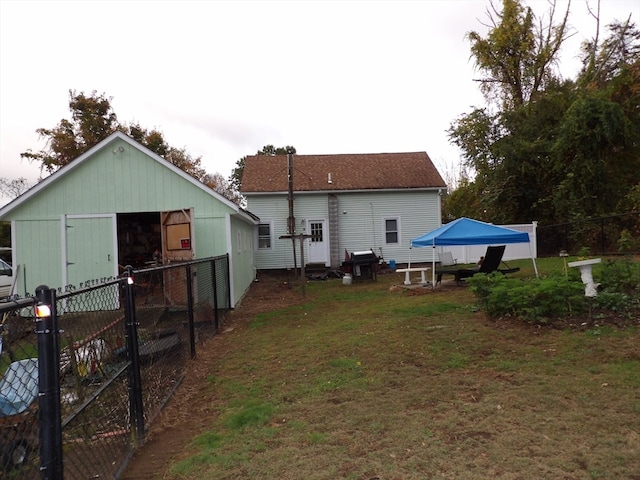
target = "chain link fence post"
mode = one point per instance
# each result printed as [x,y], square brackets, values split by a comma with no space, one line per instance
[214,281]
[49,385]
[192,329]
[136,411]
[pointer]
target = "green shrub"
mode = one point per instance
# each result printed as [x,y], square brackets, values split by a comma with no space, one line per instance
[621,275]
[559,296]
[534,300]
[614,302]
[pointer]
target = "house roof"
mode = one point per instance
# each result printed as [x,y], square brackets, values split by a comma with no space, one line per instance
[362,171]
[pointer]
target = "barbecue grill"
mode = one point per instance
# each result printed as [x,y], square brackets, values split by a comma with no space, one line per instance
[362,265]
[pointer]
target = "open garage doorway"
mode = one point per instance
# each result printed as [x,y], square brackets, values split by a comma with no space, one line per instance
[139,235]
[149,239]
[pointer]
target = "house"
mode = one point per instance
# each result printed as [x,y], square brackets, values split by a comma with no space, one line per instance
[113,206]
[351,202]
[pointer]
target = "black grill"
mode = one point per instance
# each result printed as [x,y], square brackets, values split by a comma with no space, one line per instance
[361,265]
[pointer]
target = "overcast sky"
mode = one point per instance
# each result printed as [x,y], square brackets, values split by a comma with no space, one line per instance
[222,79]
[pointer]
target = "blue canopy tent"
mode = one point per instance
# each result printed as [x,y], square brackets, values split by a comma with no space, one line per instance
[466,231]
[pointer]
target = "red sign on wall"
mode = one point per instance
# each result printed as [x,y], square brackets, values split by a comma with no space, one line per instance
[185,243]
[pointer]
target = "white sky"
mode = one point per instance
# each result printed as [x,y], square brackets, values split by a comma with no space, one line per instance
[222,79]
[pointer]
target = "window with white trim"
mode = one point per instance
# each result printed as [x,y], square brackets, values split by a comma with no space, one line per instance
[264,236]
[392,230]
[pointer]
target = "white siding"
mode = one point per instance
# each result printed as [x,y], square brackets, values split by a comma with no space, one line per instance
[360,222]
[362,226]
[272,209]
[118,176]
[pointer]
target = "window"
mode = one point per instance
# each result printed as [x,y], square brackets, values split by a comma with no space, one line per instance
[264,236]
[391,230]
[316,232]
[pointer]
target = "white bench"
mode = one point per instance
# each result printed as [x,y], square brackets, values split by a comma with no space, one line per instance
[407,272]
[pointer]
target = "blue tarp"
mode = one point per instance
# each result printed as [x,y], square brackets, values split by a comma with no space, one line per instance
[465,231]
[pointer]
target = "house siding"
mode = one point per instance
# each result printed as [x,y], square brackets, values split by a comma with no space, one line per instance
[358,224]
[362,226]
[274,209]
[38,242]
[241,257]
[127,182]
[119,177]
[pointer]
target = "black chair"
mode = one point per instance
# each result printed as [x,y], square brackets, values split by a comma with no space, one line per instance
[491,263]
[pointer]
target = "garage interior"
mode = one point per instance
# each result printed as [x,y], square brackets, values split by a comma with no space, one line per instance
[139,235]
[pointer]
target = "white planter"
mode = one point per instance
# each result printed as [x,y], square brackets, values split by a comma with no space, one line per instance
[590,288]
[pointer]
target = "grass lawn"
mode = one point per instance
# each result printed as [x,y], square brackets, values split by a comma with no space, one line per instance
[374,381]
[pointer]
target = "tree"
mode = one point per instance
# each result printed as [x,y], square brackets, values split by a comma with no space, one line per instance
[507,148]
[517,56]
[235,180]
[218,183]
[93,120]
[154,141]
[553,150]
[13,188]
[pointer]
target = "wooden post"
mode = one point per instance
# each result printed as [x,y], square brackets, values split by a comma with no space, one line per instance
[291,221]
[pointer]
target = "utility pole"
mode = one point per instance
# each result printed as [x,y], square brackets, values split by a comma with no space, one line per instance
[291,221]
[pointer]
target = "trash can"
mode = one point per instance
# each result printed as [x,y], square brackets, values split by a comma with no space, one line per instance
[392,264]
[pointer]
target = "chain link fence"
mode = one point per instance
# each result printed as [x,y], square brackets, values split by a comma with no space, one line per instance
[85,371]
[607,235]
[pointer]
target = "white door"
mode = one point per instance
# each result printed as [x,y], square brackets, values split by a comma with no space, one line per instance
[90,248]
[90,257]
[318,244]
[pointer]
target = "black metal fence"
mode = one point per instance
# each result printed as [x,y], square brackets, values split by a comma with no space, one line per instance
[85,371]
[606,235]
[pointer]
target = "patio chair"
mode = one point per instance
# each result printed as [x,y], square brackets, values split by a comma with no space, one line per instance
[446,259]
[490,263]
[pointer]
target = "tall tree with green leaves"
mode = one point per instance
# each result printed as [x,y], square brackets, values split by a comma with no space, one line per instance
[501,143]
[517,56]
[549,148]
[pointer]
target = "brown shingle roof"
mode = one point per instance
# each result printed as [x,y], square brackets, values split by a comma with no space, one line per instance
[263,174]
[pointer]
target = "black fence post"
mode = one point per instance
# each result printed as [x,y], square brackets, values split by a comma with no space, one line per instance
[228,283]
[136,412]
[48,385]
[192,329]
[214,279]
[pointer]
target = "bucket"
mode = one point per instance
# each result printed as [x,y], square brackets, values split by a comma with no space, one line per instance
[392,264]
[346,280]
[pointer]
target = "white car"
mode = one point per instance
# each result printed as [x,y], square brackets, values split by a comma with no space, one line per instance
[6,279]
